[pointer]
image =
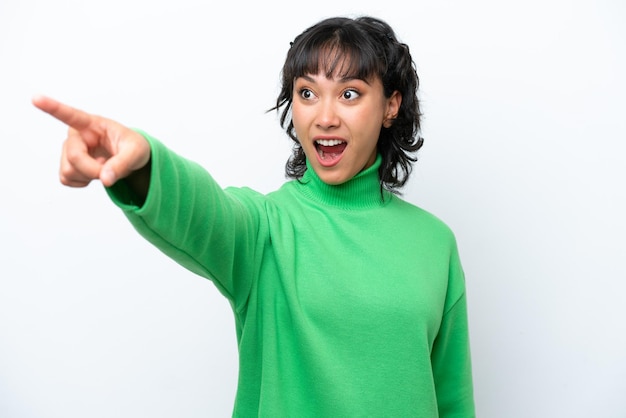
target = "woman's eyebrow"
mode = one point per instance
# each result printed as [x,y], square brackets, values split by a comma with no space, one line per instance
[347,79]
[344,79]
[307,78]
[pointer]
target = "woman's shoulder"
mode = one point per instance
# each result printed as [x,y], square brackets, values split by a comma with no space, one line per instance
[414,215]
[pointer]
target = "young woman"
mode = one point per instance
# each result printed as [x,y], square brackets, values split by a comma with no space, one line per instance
[348,301]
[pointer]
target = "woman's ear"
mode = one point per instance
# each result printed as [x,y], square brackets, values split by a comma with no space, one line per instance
[393,107]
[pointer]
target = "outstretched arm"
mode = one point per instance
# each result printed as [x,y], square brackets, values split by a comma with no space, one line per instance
[99,148]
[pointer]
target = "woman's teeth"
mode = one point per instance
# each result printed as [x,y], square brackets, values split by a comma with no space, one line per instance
[328,142]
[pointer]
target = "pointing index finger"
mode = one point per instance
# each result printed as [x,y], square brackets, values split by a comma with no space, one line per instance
[75,118]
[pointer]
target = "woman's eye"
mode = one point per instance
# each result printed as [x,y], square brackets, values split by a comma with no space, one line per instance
[350,94]
[306,94]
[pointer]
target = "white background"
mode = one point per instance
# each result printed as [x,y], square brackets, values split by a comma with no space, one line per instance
[524,158]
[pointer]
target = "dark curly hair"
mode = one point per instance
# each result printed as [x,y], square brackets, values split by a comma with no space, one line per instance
[366,47]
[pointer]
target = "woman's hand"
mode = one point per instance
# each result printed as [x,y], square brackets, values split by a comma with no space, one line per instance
[98,148]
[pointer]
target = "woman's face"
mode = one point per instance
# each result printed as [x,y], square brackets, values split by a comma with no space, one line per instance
[338,122]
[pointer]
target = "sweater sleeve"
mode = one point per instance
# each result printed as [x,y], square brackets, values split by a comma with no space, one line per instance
[212,232]
[451,360]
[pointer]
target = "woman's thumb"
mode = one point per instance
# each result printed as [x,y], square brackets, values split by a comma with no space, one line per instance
[108,177]
[131,156]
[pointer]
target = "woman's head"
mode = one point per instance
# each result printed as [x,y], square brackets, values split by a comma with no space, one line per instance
[341,50]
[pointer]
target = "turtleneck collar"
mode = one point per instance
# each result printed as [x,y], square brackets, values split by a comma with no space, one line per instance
[360,192]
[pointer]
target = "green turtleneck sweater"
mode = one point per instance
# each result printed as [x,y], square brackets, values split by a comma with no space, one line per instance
[347,303]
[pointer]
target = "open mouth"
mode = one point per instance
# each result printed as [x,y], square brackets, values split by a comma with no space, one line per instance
[329,150]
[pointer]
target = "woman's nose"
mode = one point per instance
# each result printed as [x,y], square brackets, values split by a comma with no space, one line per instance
[327,116]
